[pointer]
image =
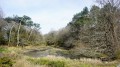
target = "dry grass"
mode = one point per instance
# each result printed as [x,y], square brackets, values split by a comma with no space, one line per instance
[89,60]
[73,63]
[24,63]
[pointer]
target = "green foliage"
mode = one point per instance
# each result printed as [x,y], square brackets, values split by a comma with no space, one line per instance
[36,25]
[81,14]
[81,18]
[6,62]
[25,20]
[8,19]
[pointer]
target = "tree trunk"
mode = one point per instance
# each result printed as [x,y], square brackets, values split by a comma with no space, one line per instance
[18,34]
[9,39]
[30,34]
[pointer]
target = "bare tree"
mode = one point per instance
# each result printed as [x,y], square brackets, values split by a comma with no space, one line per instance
[114,3]
[9,38]
[111,20]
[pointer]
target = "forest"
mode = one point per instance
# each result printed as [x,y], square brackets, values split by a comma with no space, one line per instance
[91,39]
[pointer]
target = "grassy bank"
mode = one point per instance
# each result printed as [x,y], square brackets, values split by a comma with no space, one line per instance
[52,61]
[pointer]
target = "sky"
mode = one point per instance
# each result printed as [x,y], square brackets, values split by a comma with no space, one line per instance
[50,14]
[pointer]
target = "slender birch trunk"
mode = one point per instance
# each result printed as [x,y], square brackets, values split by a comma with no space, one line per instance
[18,33]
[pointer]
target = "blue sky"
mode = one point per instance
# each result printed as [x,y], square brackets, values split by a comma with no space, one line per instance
[50,14]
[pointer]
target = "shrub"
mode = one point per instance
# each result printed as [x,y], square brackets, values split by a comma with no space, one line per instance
[3,41]
[6,62]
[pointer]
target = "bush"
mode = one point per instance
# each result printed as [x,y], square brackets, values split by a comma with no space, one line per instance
[6,62]
[3,41]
